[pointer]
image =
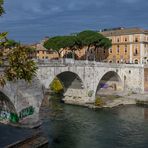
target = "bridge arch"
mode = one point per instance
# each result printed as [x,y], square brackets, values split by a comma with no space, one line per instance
[68,79]
[7,109]
[109,82]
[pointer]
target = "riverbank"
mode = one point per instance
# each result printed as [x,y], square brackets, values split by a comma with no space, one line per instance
[122,98]
[110,99]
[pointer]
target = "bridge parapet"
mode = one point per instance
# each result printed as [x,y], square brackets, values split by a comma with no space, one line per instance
[71,62]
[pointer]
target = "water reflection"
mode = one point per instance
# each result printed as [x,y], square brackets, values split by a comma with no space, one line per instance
[70,126]
[146,113]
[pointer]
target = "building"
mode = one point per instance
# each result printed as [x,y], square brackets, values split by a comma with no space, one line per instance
[43,53]
[129,45]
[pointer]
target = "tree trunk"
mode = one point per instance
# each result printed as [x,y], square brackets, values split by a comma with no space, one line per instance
[87,52]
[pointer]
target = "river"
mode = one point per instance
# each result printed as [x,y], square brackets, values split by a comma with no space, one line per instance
[69,126]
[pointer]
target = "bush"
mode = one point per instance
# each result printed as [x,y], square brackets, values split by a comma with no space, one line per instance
[56,86]
[99,102]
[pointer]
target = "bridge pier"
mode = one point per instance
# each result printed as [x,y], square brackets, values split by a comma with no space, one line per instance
[78,96]
[25,99]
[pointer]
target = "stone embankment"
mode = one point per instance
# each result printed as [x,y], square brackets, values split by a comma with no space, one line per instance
[110,99]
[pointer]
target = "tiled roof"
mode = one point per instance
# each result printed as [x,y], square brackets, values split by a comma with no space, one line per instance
[40,47]
[124,31]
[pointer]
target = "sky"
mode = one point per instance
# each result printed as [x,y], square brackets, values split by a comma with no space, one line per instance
[29,21]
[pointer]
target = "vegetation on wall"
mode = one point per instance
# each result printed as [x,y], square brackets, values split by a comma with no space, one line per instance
[56,86]
[99,102]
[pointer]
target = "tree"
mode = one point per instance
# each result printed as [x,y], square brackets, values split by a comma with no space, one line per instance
[75,42]
[94,39]
[1,7]
[55,44]
[59,43]
[20,66]
[14,59]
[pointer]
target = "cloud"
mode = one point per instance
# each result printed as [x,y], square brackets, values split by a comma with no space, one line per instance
[33,19]
[17,9]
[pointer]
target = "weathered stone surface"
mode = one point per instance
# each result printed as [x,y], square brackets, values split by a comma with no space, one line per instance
[22,94]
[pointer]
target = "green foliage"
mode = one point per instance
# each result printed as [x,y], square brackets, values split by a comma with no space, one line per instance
[3,36]
[61,42]
[8,43]
[75,42]
[16,60]
[20,65]
[99,102]
[53,43]
[1,7]
[87,37]
[92,38]
[56,86]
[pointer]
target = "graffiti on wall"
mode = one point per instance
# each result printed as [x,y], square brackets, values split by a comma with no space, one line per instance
[4,115]
[103,85]
[14,117]
[26,112]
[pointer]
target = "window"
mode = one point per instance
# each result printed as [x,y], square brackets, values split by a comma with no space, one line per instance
[136,39]
[125,39]
[118,49]
[118,40]
[110,50]
[118,61]
[125,49]
[136,51]
[104,51]
[136,61]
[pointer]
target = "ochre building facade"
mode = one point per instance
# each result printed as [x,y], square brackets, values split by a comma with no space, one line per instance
[129,45]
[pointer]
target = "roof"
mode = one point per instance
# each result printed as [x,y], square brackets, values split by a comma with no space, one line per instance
[124,31]
[40,47]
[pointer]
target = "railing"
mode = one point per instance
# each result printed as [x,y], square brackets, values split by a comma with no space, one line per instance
[72,62]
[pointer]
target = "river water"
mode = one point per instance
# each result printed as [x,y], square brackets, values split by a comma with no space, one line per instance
[69,126]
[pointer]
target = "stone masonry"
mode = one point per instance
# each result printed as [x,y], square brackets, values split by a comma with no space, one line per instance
[22,94]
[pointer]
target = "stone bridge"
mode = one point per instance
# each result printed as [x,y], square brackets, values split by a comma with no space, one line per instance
[82,80]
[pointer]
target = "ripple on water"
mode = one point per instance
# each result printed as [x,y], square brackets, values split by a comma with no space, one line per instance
[79,127]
